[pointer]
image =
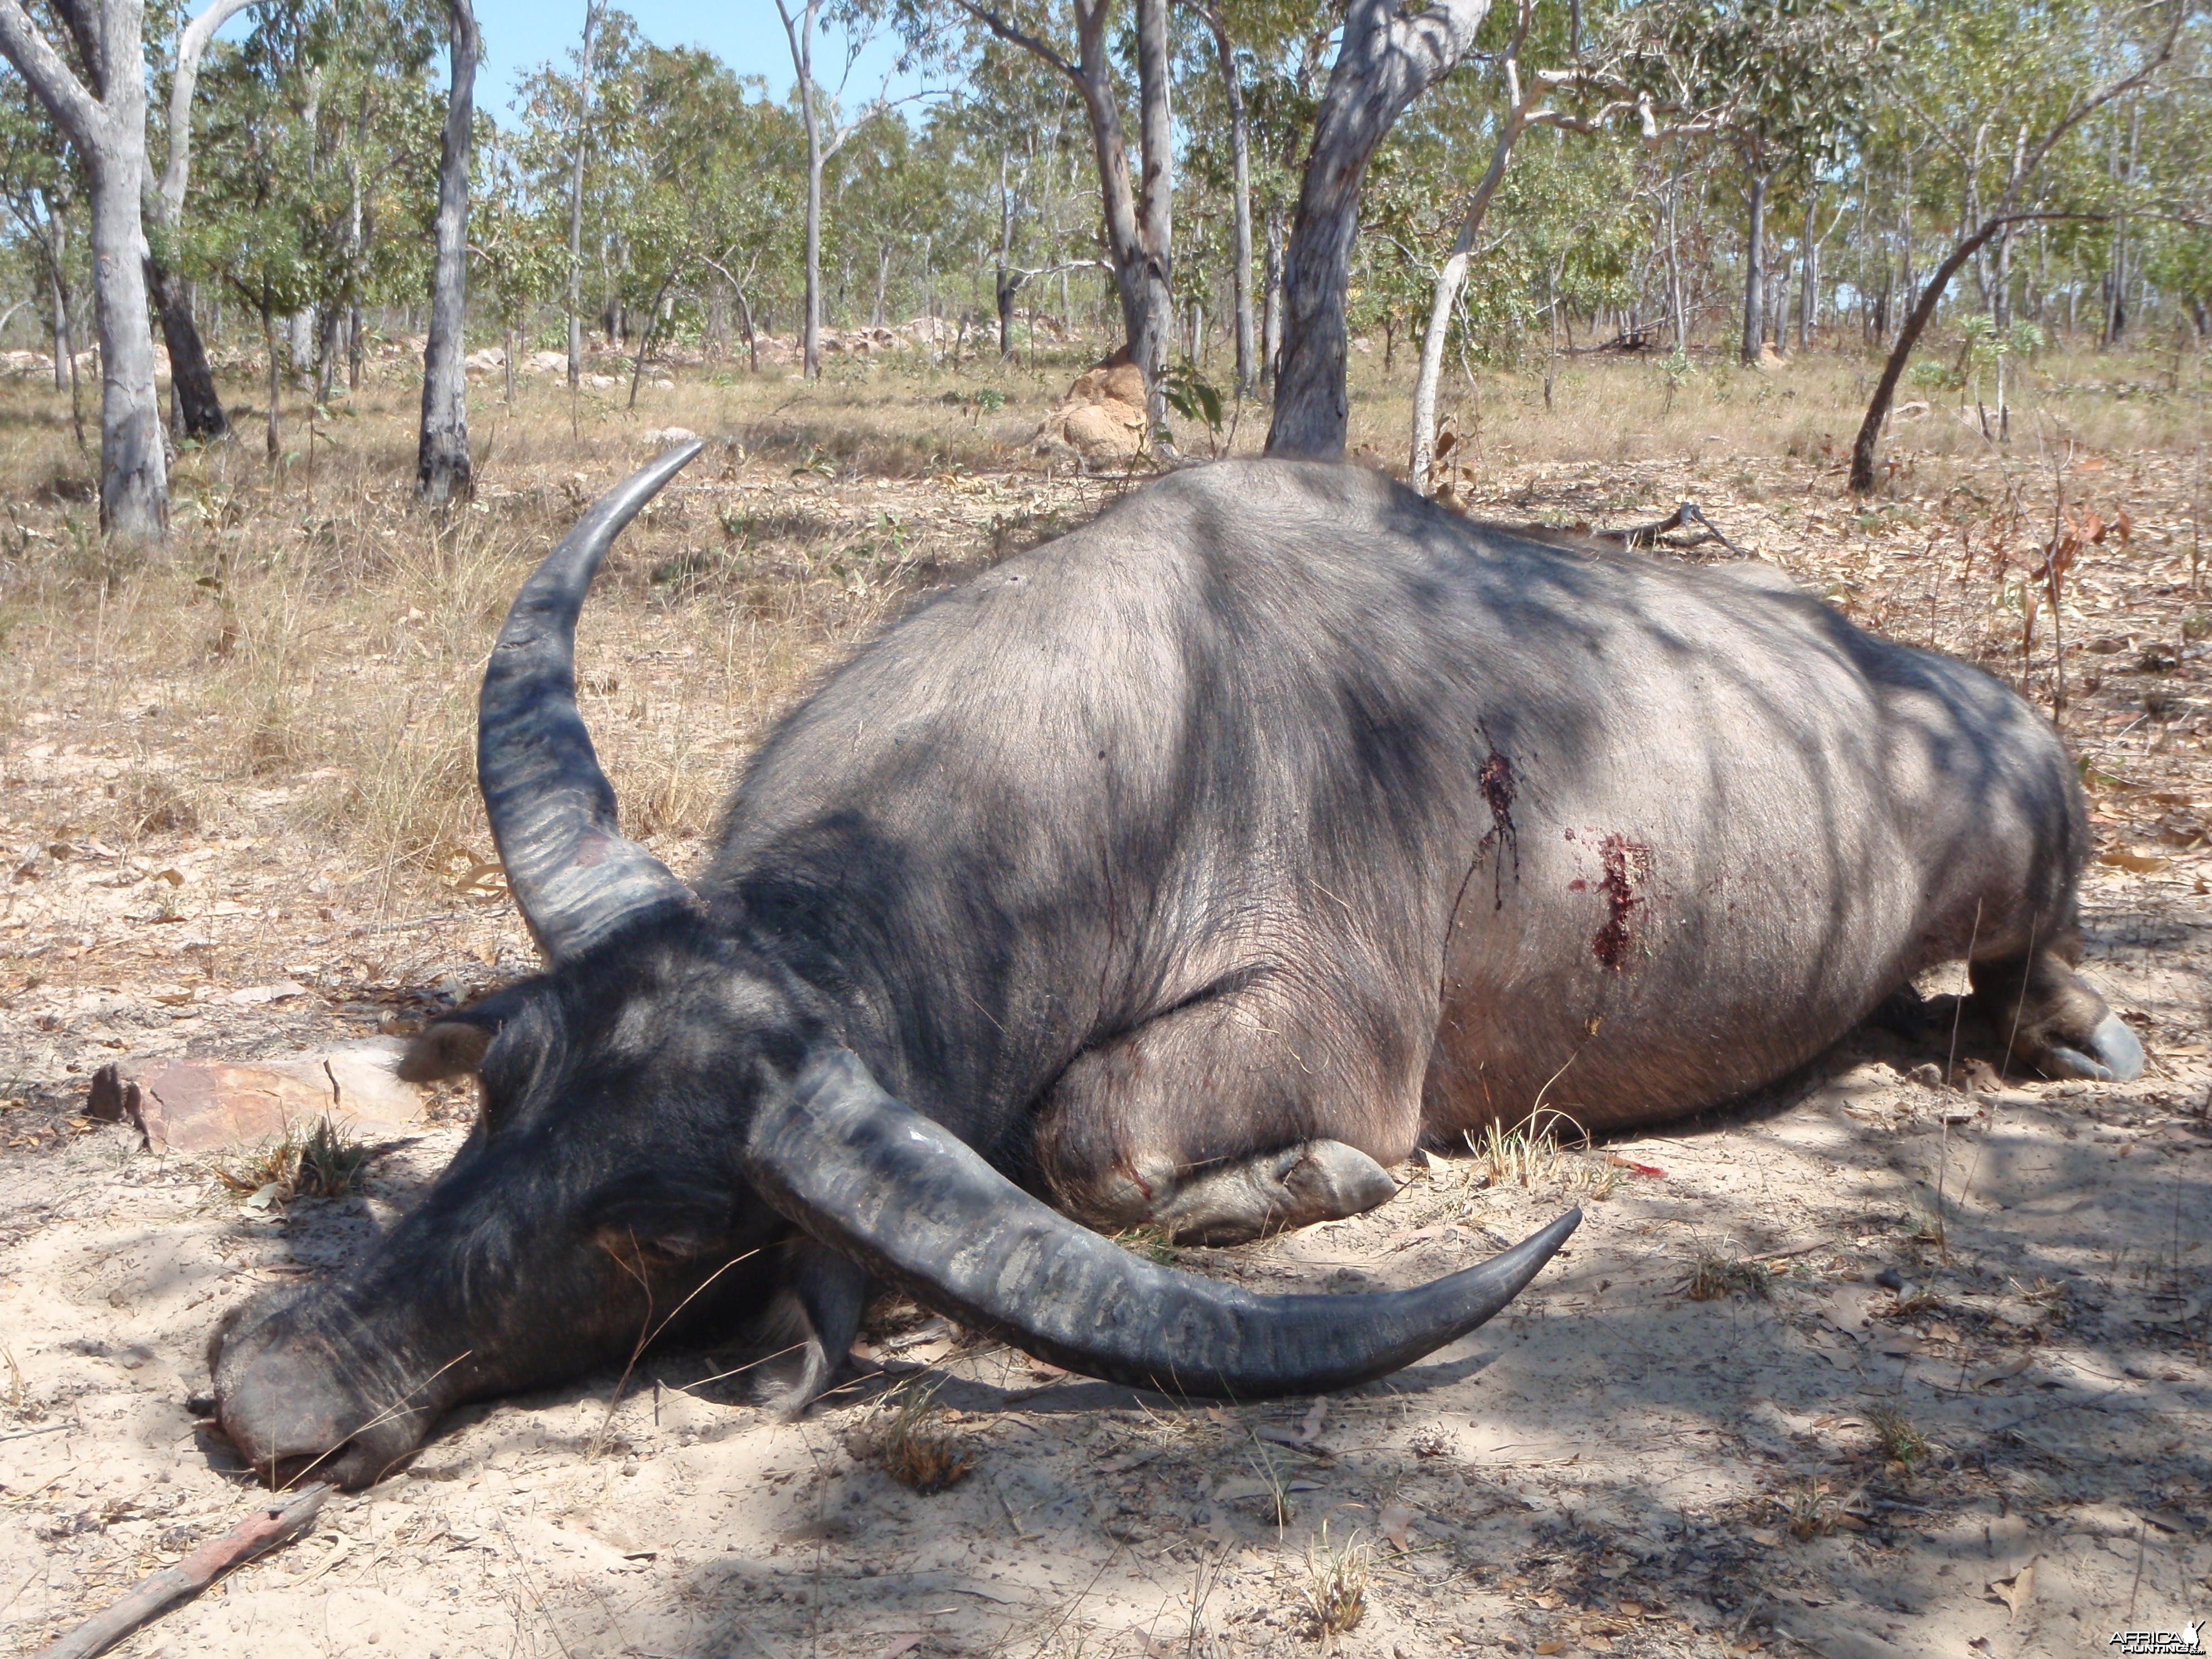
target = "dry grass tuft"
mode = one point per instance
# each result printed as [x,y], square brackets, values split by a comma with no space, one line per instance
[1812,1508]
[148,804]
[1335,1589]
[1718,1270]
[321,1161]
[914,1446]
[1894,1431]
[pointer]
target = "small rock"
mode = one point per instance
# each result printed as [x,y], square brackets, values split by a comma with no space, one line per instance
[1929,1076]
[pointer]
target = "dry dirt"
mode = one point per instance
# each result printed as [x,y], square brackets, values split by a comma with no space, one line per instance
[1873,1366]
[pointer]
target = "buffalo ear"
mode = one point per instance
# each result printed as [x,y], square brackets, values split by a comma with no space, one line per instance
[455,1045]
[449,1048]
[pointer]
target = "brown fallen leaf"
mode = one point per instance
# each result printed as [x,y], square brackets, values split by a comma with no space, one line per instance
[1396,1517]
[2017,1591]
[1310,1429]
[1550,1646]
[2141,863]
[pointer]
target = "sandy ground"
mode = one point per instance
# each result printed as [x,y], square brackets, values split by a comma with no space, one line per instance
[1873,1366]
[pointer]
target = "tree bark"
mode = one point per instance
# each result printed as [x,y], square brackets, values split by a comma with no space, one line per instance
[1240,158]
[1908,336]
[103,114]
[1808,279]
[798,29]
[1005,284]
[195,406]
[593,10]
[1755,269]
[442,471]
[1387,60]
[1155,270]
[1271,299]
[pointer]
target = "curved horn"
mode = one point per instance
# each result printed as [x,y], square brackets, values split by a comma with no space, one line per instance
[574,876]
[898,1193]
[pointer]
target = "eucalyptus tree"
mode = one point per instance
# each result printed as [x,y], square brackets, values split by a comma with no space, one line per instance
[1075,41]
[712,173]
[442,466]
[1787,82]
[313,181]
[195,404]
[826,134]
[2004,89]
[1385,60]
[94,86]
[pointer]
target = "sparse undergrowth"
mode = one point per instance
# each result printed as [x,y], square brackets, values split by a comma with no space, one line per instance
[911,1442]
[318,1160]
[1719,1270]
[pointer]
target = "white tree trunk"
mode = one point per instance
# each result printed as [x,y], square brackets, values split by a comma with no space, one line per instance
[103,114]
[592,9]
[1453,275]
[1240,156]
[134,480]
[442,471]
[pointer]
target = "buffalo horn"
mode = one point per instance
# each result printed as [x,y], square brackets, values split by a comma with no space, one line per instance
[574,877]
[915,1205]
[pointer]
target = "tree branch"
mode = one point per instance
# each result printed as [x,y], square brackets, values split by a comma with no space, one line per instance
[81,117]
[190,47]
[1006,32]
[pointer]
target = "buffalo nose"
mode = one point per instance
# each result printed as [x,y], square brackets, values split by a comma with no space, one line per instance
[277,1411]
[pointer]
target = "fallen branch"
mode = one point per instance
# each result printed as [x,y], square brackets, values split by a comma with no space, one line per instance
[1648,535]
[274,1524]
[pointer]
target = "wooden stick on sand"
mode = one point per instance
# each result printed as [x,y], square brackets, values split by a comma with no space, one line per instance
[273,1524]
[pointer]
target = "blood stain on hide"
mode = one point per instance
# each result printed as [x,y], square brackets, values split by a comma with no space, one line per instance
[1496,780]
[1626,863]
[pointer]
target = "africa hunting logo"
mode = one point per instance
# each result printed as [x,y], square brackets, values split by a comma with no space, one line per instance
[2188,1639]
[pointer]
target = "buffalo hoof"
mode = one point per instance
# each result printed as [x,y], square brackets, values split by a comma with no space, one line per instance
[2115,1055]
[1291,1187]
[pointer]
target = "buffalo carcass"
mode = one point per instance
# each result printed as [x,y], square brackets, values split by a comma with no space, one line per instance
[1187,870]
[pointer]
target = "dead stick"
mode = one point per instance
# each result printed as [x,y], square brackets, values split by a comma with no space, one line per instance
[155,1595]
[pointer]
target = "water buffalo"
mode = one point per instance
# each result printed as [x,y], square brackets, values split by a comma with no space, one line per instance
[1187,870]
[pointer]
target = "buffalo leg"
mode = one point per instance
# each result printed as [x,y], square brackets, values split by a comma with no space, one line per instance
[1224,1121]
[1290,1187]
[2052,1020]
[832,1293]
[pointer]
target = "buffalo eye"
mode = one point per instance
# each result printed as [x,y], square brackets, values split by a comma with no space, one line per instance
[655,1221]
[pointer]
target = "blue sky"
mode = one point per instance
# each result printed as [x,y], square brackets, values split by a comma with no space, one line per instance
[746,34]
